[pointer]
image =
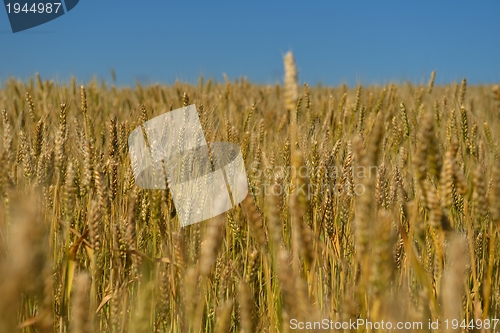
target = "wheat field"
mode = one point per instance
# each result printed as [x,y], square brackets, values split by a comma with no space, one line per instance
[379,203]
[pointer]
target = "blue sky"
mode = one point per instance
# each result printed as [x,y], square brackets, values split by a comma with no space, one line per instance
[334,42]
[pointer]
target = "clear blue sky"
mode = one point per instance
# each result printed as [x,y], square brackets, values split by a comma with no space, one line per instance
[333,41]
